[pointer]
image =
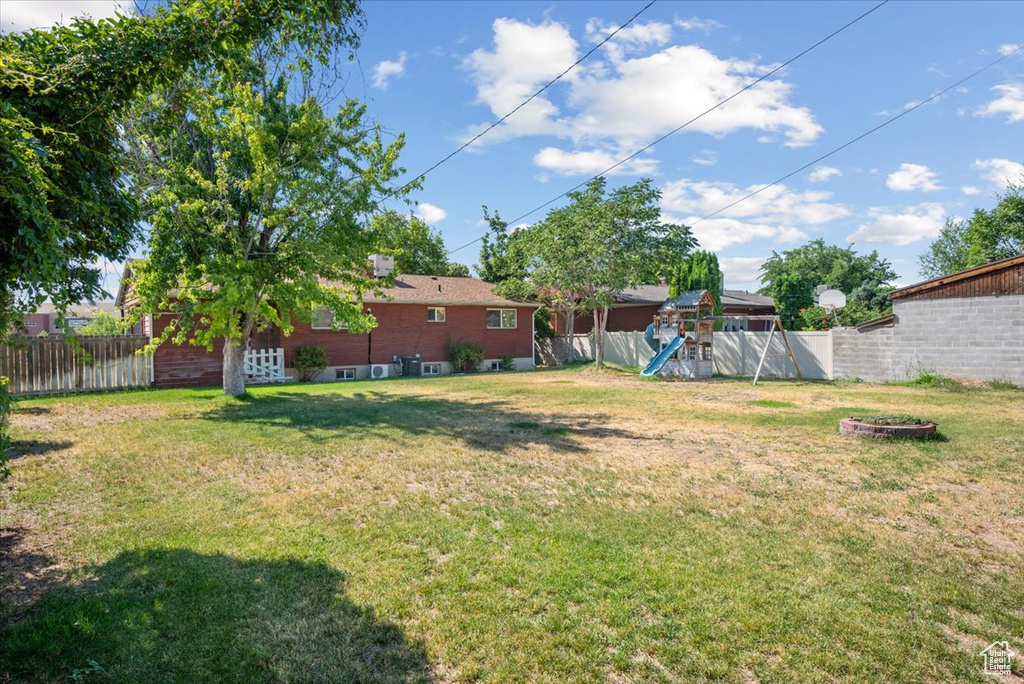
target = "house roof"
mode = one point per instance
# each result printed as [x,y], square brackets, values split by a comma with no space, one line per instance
[886,321]
[85,310]
[642,294]
[442,291]
[744,298]
[990,268]
[416,289]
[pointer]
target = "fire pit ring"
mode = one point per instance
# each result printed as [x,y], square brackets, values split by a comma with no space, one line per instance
[879,429]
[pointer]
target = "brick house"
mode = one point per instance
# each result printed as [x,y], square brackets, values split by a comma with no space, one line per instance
[44,319]
[415,319]
[635,308]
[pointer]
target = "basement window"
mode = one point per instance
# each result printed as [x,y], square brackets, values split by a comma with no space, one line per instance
[345,374]
[436,314]
[501,318]
[431,369]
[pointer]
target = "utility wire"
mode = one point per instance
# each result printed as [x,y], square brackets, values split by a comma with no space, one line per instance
[694,119]
[527,100]
[859,137]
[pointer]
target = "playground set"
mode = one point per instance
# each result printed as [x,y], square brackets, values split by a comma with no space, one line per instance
[682,337]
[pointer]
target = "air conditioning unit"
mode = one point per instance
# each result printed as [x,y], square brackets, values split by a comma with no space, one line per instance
[379,370]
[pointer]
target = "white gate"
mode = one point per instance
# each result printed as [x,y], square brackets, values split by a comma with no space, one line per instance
[264,365]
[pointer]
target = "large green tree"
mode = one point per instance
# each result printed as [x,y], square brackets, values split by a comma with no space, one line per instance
[601,243]
[64,202]
[698,271]
[994,234]
[502,257]
[866,278]
[417,249]
[258,201]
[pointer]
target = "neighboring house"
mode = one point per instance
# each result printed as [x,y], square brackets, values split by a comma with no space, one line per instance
[44,319]
[635,308]
[416,318]
[965,325]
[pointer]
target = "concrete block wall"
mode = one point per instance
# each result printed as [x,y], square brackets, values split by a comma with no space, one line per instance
[864,355]
[962,337]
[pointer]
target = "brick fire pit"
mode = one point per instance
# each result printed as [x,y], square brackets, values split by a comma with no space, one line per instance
[867,428]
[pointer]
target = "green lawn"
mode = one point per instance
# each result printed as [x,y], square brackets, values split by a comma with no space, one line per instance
[552,526]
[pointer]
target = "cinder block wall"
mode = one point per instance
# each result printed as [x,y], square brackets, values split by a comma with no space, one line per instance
[971,337]
[864,355]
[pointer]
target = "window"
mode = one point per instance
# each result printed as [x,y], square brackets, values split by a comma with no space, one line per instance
[691,352]
[501,318]
[431,369]
[323,319]
[664,320]
[495,365]
[30,325]
[345,374]
[436,314]
[705,352]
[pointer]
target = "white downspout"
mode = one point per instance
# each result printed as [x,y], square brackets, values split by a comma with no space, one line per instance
[533,337]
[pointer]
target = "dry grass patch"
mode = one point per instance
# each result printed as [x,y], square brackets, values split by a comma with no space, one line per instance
[552,526]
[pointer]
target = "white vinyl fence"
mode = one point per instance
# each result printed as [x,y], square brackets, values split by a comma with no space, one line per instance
[58,365]
[734,353]
[264,365]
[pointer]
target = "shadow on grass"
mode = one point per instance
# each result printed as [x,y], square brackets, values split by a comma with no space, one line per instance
[485,425]
[180,616]
[35,447]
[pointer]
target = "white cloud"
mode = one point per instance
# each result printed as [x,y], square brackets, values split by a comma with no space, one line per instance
[698,24]
[1000,172]
[912,224]
[386,70]
[1010,102]
[1009,49]
[621,103]
[970,190]
[777,213]
[705,158]
[741,270]
[591,162]
[430,213]
[822,173]
[648,96]
[524,58]
[911,177]
[21,15]
[629,40]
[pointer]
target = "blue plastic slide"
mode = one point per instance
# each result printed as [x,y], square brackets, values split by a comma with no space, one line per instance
[664,355]
[650,339]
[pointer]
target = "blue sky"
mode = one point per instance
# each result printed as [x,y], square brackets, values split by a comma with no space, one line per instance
[440,71]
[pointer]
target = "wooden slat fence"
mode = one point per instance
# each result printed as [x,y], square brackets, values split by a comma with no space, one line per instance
[56,365]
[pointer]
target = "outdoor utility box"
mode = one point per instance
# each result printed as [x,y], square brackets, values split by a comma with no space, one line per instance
[411,366]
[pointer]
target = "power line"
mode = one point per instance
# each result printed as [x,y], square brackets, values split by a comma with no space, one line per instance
[859,137]
[529,99]
[694,119]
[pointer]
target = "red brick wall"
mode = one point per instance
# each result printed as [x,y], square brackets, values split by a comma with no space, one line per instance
[402,330]
[621,319]
[185,365]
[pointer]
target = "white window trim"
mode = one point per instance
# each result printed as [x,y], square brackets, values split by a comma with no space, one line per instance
[344,370]
[427,366]
[502,327]
[444,314]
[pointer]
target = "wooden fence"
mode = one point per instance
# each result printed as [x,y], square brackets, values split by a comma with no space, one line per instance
[57,365]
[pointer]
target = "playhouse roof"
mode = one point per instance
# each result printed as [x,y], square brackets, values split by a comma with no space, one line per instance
[688,301]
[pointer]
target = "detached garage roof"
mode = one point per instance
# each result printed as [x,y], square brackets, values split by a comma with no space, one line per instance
[1002,277]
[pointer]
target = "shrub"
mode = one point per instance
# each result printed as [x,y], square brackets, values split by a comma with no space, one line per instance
[6,405]
[542,328]
[508,363]
[310,360]
[466,357]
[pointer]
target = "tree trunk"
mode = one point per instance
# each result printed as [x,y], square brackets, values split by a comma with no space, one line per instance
[598,339]
[570,331]
[234,367]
